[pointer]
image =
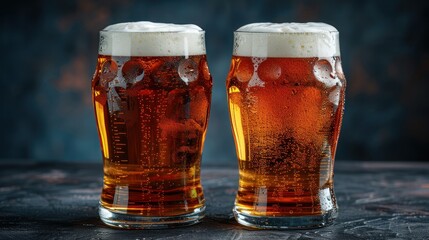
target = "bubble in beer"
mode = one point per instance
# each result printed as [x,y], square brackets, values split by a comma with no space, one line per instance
[323,72]
[245,70]
[133,71]
[152,65]
[188,70]
[109,69]
[167,76]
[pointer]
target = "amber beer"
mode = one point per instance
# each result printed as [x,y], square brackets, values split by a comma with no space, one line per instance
[151,94]
[286,96]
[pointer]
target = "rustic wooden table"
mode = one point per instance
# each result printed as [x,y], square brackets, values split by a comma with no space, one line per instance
[59,201]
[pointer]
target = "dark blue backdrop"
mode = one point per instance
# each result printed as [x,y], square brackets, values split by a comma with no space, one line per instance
[49,50]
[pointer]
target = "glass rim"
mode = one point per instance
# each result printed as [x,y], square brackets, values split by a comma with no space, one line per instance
[284,33]
[155,32]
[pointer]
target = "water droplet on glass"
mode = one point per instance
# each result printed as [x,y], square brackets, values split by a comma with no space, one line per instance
[339,69]
[269,70]
[334,96]
[109,70]
[133,71]
[244,70]
[188,70]
[323,71]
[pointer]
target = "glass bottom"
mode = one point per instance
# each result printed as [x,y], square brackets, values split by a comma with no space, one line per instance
[298,222]
[129,221]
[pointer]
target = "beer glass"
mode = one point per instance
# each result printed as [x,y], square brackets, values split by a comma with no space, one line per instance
[151,92]
[286,95]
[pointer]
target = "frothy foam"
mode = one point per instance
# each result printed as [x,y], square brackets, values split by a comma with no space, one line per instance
[152,39]
[287,40]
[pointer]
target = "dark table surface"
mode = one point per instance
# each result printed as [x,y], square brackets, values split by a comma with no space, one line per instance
[59,201]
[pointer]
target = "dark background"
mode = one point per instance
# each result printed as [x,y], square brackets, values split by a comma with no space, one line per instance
[49,51]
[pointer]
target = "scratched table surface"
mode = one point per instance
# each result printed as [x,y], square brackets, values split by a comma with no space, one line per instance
[59,201]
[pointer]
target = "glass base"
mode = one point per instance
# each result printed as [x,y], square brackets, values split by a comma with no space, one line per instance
[298,222]
[128,221]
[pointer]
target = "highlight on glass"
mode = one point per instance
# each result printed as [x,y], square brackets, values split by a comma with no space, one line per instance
[286,92]
[151,93]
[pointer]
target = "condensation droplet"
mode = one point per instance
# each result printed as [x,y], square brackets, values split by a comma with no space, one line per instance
[269,70]
[188,70]
[334,96]
[133,71]
[244,70]
[323,71]
[339,69]
[103,44]
[109,70]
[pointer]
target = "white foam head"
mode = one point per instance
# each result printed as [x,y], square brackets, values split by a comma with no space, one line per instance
[152,39]
[287,40]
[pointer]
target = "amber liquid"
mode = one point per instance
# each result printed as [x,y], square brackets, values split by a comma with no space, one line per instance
[152,116]
[286,114]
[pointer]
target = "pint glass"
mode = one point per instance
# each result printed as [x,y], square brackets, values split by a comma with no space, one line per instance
[151,93]
[286,96]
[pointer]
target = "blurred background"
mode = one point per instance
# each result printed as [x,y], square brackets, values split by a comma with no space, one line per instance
[49,51]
